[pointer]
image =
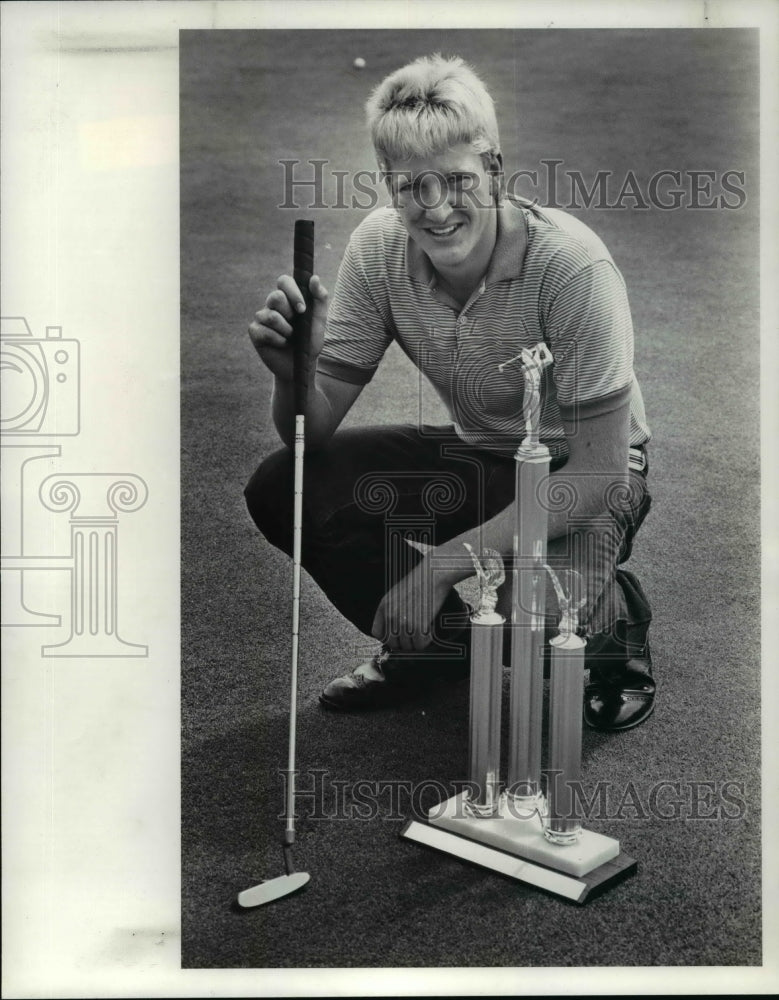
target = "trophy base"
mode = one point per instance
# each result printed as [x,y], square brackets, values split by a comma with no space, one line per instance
[519,830]
[516,847]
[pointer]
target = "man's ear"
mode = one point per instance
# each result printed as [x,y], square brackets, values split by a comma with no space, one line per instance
[385,171]
[497,180]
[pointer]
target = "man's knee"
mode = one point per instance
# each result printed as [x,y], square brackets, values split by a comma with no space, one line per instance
[268,497]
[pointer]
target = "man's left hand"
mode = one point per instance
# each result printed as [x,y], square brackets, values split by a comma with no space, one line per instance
[406,613]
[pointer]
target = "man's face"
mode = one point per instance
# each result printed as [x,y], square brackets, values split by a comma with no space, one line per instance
[447,206]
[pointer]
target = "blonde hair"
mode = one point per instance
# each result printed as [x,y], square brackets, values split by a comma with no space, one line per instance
[429,105]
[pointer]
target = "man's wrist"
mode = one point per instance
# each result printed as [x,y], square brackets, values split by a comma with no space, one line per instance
[449,566]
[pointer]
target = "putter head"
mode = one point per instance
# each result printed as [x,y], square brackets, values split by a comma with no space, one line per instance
[275,888]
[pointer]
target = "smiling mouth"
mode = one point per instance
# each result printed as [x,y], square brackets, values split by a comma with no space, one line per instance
[444,231]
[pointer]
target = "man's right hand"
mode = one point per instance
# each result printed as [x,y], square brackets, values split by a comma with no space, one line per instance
[271,328]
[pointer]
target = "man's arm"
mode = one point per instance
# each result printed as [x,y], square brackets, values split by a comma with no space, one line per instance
[598,454]
[328,403]
[271,330]
[598,461]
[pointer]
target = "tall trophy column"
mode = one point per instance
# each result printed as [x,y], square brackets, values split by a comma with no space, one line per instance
[529,606]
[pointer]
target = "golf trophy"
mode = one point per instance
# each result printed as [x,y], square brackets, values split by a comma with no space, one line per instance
[526,832]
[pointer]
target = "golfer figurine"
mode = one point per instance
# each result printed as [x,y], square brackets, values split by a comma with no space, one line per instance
[463,275]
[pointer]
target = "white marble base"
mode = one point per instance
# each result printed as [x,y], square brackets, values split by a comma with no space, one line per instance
[524,837]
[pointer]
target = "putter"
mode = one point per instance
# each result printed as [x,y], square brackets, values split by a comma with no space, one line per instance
[292,881]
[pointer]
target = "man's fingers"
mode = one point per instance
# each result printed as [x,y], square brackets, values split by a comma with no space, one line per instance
[413,634]
[294,296]
[269,328]
[278,302]
[421,636]
[421,641]
[269,338]
[317,289]
[285,301]
[275,321]
[402,620]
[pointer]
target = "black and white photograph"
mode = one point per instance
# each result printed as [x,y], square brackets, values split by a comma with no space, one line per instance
[387,521]
[533,332]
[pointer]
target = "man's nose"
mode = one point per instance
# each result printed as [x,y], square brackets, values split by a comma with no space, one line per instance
[437,201]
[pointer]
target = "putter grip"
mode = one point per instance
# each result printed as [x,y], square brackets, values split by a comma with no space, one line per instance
[301,328]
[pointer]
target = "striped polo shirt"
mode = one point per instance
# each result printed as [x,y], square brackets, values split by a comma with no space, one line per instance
[550,278]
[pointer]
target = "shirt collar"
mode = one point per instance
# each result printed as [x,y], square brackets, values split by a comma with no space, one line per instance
[507,257]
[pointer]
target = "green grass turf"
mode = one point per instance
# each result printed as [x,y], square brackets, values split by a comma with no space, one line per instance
[620,100]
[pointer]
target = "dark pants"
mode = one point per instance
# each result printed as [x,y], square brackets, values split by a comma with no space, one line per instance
[371,489]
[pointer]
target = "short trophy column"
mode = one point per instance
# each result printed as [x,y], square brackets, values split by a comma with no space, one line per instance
[484,736]
[563,824]
[486,688]
[565,737]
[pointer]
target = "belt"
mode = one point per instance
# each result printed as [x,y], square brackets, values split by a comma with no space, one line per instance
[637,459]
